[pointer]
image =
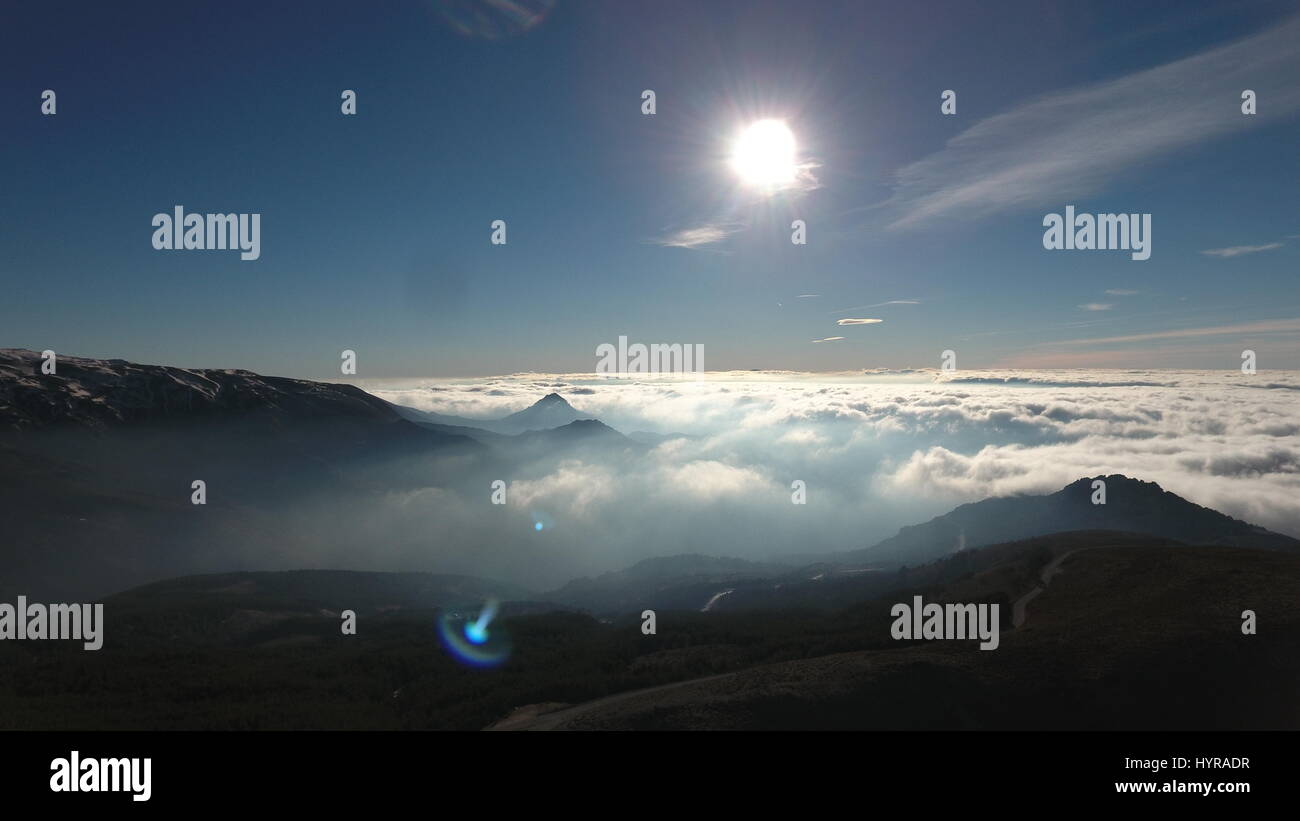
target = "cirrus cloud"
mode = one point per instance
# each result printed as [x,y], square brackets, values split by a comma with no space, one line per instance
[1080,139]
[1240,250]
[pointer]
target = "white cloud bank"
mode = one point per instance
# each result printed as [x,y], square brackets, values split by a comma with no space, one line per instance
[882,450]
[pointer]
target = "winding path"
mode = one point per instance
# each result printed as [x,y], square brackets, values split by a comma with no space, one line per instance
[1053,567]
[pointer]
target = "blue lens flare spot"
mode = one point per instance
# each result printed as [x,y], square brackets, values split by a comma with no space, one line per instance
[542,520]
[468,639]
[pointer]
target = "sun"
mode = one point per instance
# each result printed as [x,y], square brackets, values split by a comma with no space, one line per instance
[764,155]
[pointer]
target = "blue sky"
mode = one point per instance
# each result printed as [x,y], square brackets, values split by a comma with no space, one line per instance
[375,228]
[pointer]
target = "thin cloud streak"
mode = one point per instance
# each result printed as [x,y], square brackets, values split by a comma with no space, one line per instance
[1278,326]
[879,305]
[697,237]
[1238,250]
[1070,144]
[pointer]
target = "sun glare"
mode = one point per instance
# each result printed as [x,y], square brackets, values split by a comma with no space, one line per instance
[764,155]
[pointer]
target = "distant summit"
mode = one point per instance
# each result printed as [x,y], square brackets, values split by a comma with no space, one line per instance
[551,411]
[1132,506]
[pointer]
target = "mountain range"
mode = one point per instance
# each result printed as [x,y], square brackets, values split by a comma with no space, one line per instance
[98,459]
[96,465]
[98,462]
[103,393]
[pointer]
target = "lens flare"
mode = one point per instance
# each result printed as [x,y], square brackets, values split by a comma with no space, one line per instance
[470,641]
[542,521]
[492,19]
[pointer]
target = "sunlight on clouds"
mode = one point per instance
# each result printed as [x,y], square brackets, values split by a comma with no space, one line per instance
[877,452]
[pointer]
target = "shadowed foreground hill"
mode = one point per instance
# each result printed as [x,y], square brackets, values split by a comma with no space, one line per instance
[683,582]
[250,607]
[1132,633]
[1122,638]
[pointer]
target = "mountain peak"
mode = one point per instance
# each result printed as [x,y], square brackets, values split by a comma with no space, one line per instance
[1113,479]
[1128,505]
[551,411]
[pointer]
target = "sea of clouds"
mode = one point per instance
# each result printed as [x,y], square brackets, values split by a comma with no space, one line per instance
[876,450]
